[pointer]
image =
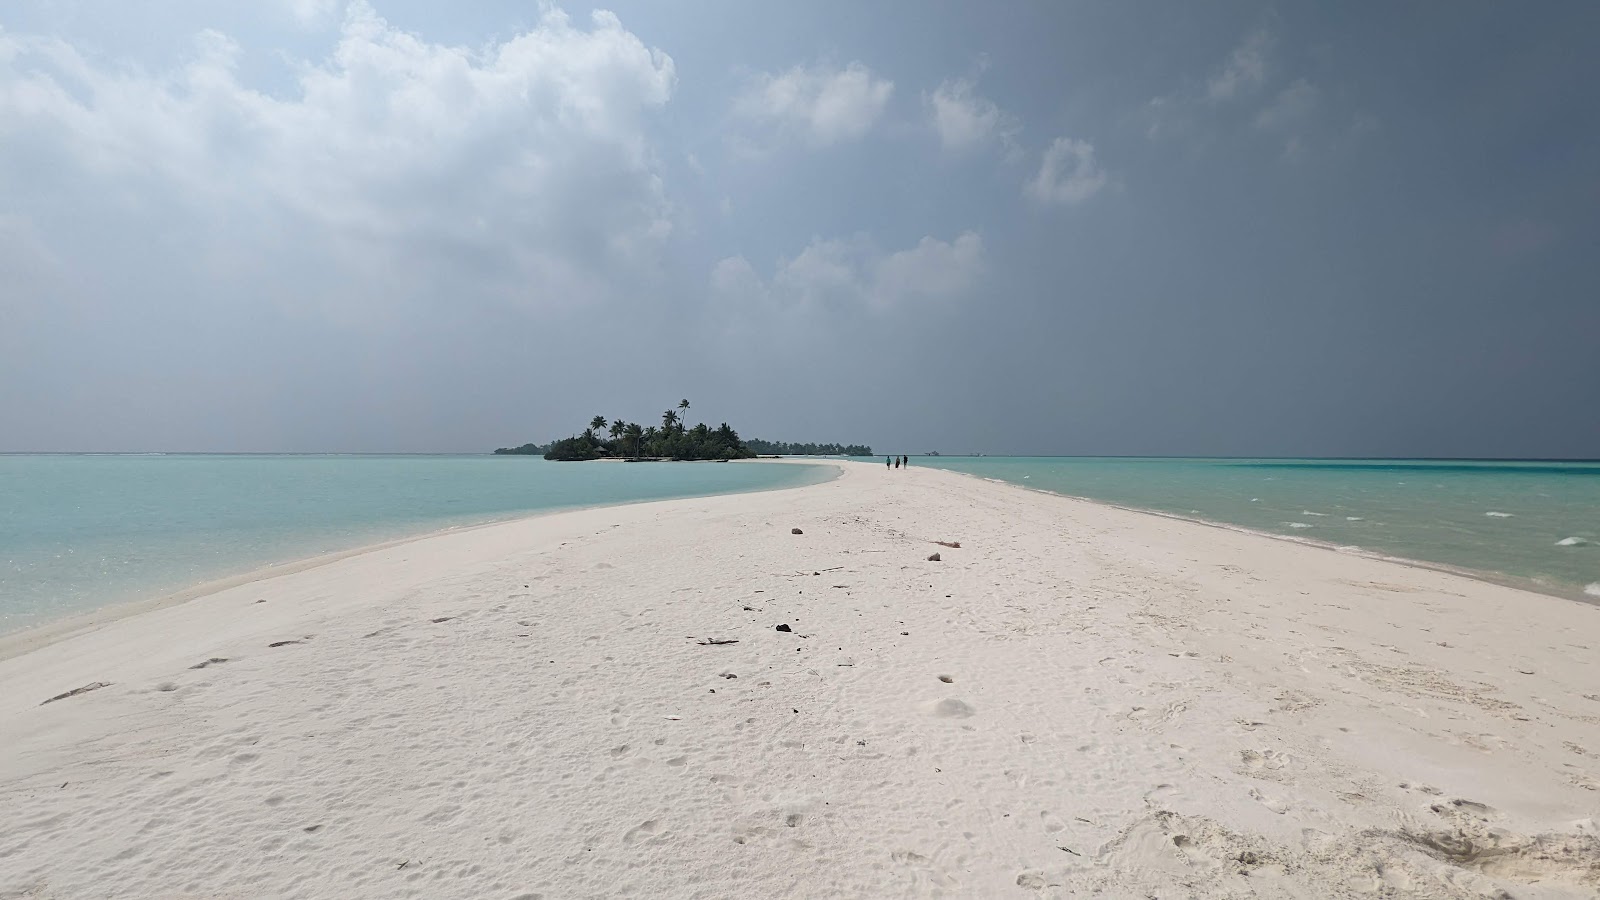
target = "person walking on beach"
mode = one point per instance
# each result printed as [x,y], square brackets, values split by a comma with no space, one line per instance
[905,461]
[886,462]
[897,462]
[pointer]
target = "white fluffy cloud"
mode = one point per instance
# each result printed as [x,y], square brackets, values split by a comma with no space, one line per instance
[312,11]
[523,162]
[825,105]
[966,120]
[1245,69]
[854,272]
[1068,174]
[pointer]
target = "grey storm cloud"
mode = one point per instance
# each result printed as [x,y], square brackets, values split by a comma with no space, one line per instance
[1246,228]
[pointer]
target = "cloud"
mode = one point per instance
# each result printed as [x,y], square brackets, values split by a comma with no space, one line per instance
[1289,115]
[734,277]
[1289,108]
[933,269]
[966,120]
[825,105]
[1245,69]
[311,12]
[1068,174]
[394,164]
[855,273]
[1242,93]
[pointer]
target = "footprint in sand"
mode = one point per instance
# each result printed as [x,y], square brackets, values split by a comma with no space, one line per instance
[644,831]
[950,708]
[1270,801]
[1263,760]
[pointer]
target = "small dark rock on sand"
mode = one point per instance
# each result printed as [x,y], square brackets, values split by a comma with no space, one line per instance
[785,628]
[933,557]
[796,531]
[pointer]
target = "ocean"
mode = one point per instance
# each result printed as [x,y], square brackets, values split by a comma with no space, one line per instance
[1536,524]
[80,532]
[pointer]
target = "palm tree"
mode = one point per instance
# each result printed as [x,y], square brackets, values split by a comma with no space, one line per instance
[597,423]
[683,405]
[669,419]
[635,436]
[617,427]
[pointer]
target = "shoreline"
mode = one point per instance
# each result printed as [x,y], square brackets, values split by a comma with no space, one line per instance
[1076,699]
[49,631]
[1533,586]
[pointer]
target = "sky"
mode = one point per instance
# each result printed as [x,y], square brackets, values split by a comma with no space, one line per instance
[1230,228]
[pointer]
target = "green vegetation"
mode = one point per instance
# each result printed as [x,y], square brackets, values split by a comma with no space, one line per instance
[630,440]
[781,448]
[618,439]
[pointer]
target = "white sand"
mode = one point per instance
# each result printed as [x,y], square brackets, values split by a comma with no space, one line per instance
[1136,705]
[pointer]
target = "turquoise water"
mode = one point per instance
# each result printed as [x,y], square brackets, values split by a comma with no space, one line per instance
[1533,522]
[82,532]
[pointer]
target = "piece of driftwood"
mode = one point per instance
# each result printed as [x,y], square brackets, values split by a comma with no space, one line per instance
[713,642]
[76,691]
[952,544]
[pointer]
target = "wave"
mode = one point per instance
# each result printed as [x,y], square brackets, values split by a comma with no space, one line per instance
[1297,524]
[1592,589]
[1307,512]
[1500,515]
[1571,542]
[1352,518]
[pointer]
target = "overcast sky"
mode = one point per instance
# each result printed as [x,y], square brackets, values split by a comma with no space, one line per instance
[1120,228]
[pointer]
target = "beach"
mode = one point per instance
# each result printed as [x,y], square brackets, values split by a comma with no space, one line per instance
[686,698]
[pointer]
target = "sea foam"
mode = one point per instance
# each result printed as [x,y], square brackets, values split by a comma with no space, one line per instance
[1297,524]
[1592,589]
[1571,542]
[1500,515]
[1352,518]
[1307,512]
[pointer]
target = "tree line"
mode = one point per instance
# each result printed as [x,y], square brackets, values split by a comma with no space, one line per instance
[621,439]
[672,439]
[783,448]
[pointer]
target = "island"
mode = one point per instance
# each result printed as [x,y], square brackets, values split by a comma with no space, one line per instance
[672,440]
